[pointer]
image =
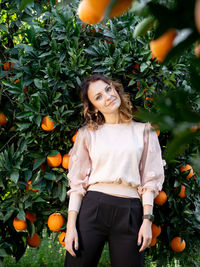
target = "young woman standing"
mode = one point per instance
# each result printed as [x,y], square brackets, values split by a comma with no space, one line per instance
[115,172]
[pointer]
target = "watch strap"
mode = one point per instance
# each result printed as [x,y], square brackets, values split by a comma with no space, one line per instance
[148,216]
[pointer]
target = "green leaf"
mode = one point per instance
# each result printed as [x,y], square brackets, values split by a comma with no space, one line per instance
[3,28]
[24,114]
[144,26]
[14,176]
[8,215]
[23,126]
[38,162]
[24,3]
[53,153]
[3,253]
[38,83]
[63,193]
[50,176]
[21,215]
[139,94]
[30,107]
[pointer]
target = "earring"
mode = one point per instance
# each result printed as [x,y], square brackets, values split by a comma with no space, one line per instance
[96,113]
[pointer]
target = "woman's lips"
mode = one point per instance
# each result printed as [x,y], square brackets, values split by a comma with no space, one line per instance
[111,102]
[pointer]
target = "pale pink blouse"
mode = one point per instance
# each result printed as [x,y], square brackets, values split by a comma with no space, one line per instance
[125,159]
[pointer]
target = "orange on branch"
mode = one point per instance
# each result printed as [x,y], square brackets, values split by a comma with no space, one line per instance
[65,161]
[3,119]
[177,245]
[34,241]
[55,221]
[161,198]
[74,137]
[155,126]
[197,50]
[54,161]
[29,187]
[197,14]
[182,192]
[31,216]
[161,46]
[187,168]
[47,124]
[19,224]
[88,14]
[156,230]
[120,8]
[62,238]
[8,66]
[153,242]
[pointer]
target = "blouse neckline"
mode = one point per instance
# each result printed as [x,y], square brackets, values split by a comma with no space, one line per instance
[117,124]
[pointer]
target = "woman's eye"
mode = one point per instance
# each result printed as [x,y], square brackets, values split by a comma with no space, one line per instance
[97,97]
[109,88]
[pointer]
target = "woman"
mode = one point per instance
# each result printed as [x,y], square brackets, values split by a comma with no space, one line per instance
[115,172]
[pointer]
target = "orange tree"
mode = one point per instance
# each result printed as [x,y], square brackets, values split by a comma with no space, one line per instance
[46,51]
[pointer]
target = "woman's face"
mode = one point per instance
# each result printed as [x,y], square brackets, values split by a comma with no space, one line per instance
[104,97]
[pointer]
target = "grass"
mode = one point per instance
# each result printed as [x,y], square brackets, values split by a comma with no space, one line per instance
[52,254]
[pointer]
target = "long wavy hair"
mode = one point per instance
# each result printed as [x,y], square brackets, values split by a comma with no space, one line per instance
[91,120]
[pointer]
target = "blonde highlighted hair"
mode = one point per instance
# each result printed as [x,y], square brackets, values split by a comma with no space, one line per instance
[91,120]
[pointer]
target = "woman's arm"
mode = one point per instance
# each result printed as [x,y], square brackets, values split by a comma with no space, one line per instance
[71,233]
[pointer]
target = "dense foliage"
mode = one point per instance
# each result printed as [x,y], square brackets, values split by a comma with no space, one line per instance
[52,52]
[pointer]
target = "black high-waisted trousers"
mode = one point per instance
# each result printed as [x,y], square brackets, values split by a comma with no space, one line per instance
[103,217]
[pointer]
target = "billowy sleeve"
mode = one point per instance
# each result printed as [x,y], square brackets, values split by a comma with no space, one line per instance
[78,170]
[151,167]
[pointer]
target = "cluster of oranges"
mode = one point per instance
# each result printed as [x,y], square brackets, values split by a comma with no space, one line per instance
[55,222]
[93,12]
[54,161]
[21,225]
[177,243]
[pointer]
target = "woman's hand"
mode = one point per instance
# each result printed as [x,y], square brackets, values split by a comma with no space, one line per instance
[71,237]
[145,233]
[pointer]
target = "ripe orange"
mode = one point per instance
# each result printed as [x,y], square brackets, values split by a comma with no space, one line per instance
[161,198]
[8,66]
[74,137]
[29,187]
[195,128]
[65,161]
[34,241]
[156,128]
[108,42]
[197,14]
[149,98]
[16,81]
[25,89]
[54,161]
[19,224]
[55,221]
[120,8]
[153,242]
[47,124]
[161,46]
[31,216]
[187,168]
[3,119]
[177,245]
[87,14]
[156,230]
[62,238]
[197,50]
[182,192]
